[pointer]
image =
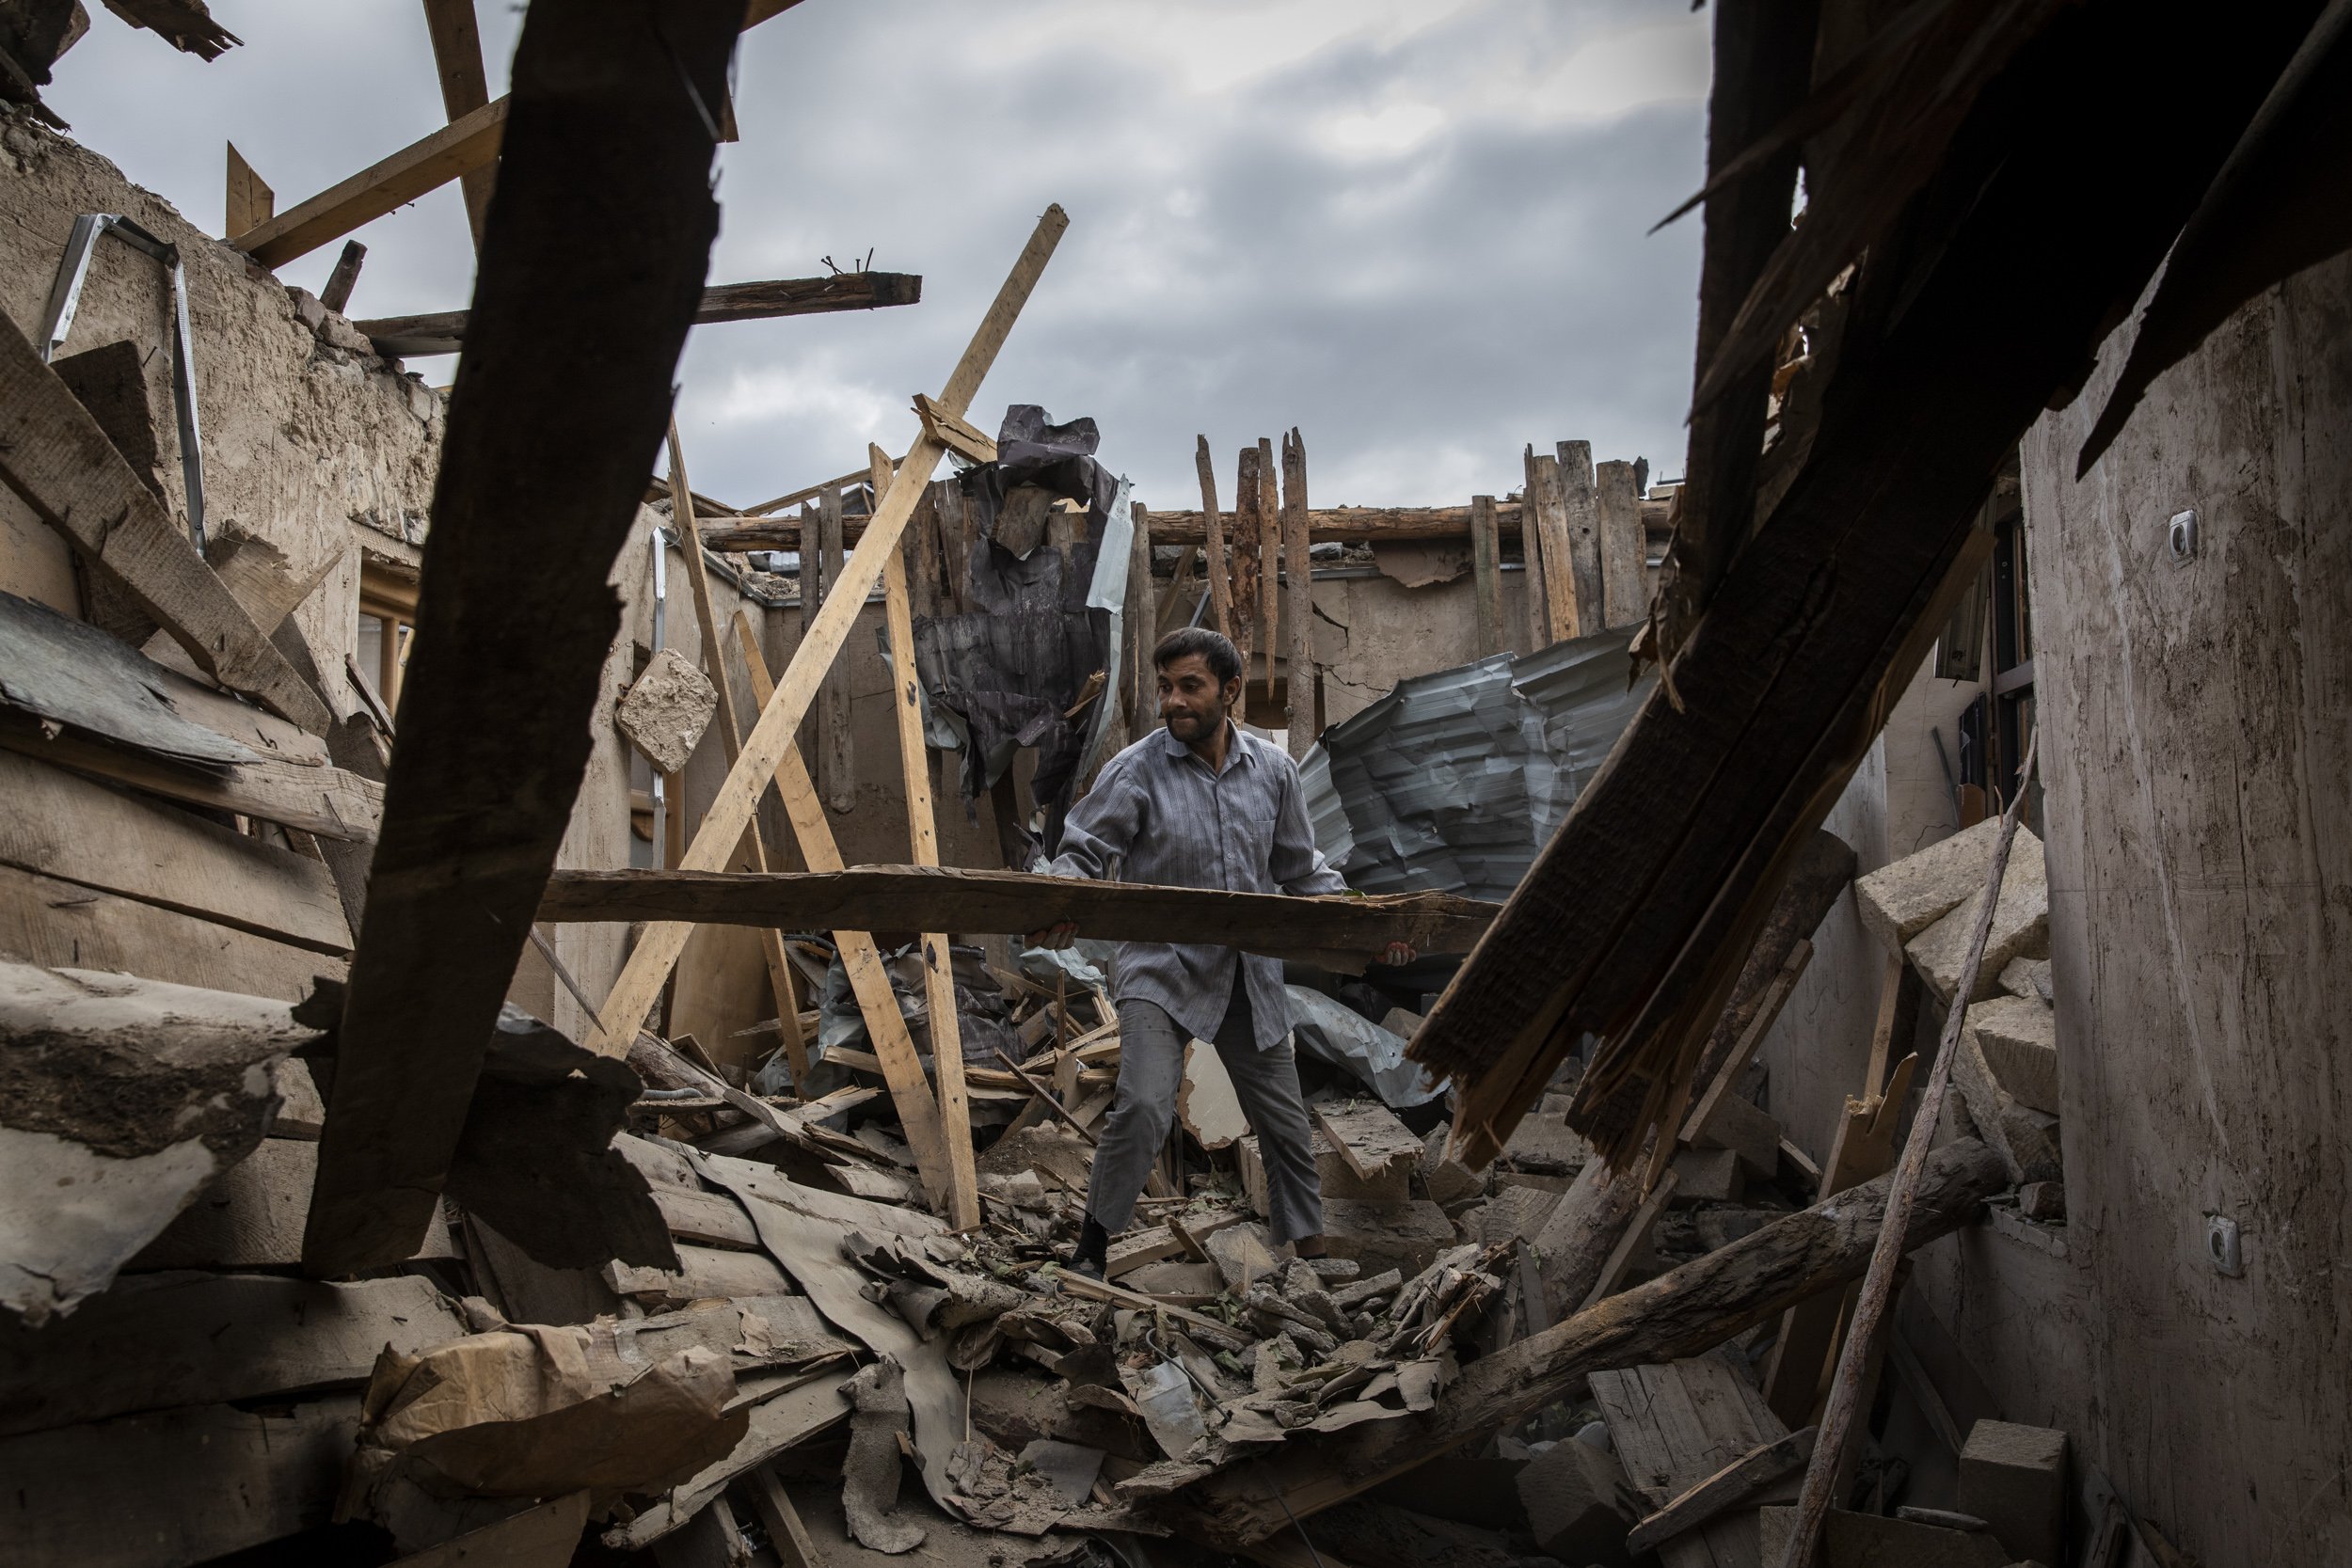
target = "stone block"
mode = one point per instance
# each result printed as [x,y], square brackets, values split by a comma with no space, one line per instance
[1708,1175]
[1545,1143]
[2021,927]
[666,710]
[1406,1236]
[2018,1038]
[2027,1139]
[1867,1541]
[1448,1181]
[2013,1478]
[1899,901]
[2028,977]
[1753,1135]
[2043,1201]
[1391,1184]
[1578,1504]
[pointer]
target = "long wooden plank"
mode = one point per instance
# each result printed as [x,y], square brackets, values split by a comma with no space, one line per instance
[54,456]
[1269,556]
[1209,523]
[161,1341]
[1579,509]
[1487,575]
[176,1486]
[317,799]
[66,925]
[939,975]
[465,88]
[713,644]
[444,331]
[869,982]
[658,947]
[79,830]
[908,897]
[1623,544]
[1298,614]
[553,425]
[1703,1500]
[836,753]
[1561,605]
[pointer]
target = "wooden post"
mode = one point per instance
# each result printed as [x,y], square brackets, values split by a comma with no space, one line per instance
[836,761]
[1214,565]
[1487,569]
[1878,1284]
[465,88]
[731,737]
[339,282]
[1269,558]
[876,1004]
[1580,515]
[250,202]
[1244,543]
[1544,526]
[1298,609]
[764,750]
[1623,545]
[1539,588]
[1143,621]
[938,974]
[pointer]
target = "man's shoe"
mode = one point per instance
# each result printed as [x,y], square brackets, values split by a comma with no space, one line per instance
[1094,1245]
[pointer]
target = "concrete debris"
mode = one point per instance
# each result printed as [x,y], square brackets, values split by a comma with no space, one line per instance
[666,710]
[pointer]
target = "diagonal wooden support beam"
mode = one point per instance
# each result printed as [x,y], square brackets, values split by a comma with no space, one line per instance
[604,206]
[861,960]
[658,947]
[731,738]
[465,88]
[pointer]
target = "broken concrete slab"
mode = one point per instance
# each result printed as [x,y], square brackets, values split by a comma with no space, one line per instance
[124,1099]
[2027,1139]
[666,710]
[2028,978]
[1579,1503]
[1899,901]
[2013,1478]
[1243,1255]
[2018,1036]
[2021,927]
[1545,1143]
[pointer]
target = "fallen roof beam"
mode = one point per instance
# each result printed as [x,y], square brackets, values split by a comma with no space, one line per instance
[1684,1313]
[449,154]
[949,898]
[1375,524]
[604,213]
[444,331]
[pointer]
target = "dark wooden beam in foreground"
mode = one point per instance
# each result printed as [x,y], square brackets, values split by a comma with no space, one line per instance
[1684,1313]
[947,898]
[592,265]
[444,331]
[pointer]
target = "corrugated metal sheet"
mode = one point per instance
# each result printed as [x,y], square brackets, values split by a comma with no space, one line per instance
[1453,781]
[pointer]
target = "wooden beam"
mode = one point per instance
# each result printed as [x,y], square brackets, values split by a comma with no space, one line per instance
[836,753]
[1564,604]
[939,974]
[316,798]
[794,498]
[1243,541]
[713,643]
[336,296]
[1580,508]
[465,88]
[1298,611]
[458,147]
[1487,575]
[1684,1313]
[1760,1466]
[58,460]
[444,331]
[250,201]
[658,948]
[1270,557]
[1623,545]
[909,897]
[952,431]
[550,437]
[1142,623]
[1209,523]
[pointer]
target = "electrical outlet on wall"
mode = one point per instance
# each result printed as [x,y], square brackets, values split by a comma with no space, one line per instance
[2222,1248]
[2180,538]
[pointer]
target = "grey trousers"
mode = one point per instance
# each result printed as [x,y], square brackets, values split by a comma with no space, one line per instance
[1151,1071]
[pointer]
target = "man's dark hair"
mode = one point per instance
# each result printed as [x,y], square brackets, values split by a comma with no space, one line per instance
[1214,649]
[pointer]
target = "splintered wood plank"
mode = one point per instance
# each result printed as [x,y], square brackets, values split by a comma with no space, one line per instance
[318,799]
[1487,575]
[1677,1424]
[54,456]
[250,201]
[869,982]
[1623,544]
[1216,565]
[658,947]
[1244,540]
[444,331]
[1550,539]
[78,831]
[1367,1136]
[939,975]
[553,424]
[1298,609]
[1579,509]
[1269,556]
[836,755]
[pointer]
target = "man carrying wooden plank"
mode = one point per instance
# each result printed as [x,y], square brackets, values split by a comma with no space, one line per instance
[1202,804]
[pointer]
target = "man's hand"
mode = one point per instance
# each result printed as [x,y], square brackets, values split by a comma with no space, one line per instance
[1055,937]
[1398,955]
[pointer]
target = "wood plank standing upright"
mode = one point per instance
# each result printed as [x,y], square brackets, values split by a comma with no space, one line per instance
[1244,541]
[1216,565]
[1269,558]
[1581,512]
[1544,530]
[659,946]
[1143,619]
[1298,607]
[1624,547]
[938,974]
[836,758]
[1487,575]
[731,738]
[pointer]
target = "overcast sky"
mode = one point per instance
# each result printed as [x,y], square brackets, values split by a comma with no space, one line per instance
[1414,229]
